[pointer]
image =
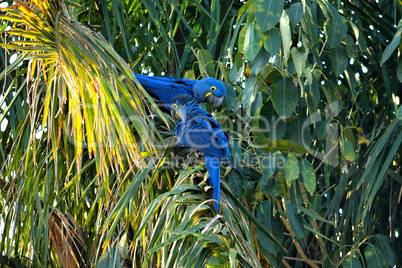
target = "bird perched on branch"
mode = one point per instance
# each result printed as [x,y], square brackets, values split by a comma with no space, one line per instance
[165,88]
[199,130]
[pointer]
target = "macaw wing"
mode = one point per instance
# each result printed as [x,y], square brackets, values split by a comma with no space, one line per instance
[163,88]
[199,134]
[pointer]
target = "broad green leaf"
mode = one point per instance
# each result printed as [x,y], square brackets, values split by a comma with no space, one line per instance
[316,203]
[351,262]
[348,151]
[296,221]
[351,47]
[269,123]
[272,41]
[206,63]
[392,46]
[268,13]
[272,146]
[296,12]
[292,169]
[189,75]
[399,71]
[260,61]
[242,38]
[264,215]
[286,35]
[334,28]
[339,59]
[383,243]
[249,91]
[308,176]
[285,96]
[361,42]
[252,42]
[399,112]
[374,257]
[298,61]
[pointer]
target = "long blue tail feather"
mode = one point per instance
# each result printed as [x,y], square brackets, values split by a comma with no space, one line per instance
[214,168]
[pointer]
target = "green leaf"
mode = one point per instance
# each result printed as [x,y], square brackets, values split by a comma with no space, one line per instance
[296,12]
[308,176]
[298,61]
[269,124]
[361,42]
[260,61]
[272,41]
[268,13]
[383,243]
[252,42]
[242,38]
[348,151]
[296,221]
[392,46]
[249,92]
[292,169]
[285,96]
[334,28]
[399,113]
[399,71]
[351,47]
[272,146]
[375,257]
[286,35]
[339,59]
[207,62]
[264,215]
[351,262]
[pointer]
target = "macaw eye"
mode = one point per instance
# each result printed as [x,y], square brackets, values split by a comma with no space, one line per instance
[175,106]
[213,88]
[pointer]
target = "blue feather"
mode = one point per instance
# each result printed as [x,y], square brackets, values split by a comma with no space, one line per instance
[200,131]
[214,167]
[166,88]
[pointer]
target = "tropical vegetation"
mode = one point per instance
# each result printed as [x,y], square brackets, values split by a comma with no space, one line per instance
[92,174]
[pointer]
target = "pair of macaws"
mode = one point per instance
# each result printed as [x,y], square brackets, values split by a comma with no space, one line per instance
[197,128]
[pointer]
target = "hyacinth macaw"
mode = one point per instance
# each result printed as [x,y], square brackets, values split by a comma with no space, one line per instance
[199,130]
[165,88]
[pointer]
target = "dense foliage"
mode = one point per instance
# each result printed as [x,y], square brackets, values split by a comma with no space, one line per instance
[92,174]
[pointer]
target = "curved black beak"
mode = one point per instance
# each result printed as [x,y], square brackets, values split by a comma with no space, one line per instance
[175,115]
[217,101]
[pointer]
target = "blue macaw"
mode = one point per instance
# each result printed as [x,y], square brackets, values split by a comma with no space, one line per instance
[199,130]
[165,88]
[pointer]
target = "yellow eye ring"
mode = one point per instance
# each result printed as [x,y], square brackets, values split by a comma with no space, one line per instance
[175,106]
[213,88]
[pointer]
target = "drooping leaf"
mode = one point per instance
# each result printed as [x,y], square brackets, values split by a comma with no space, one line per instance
[308,176]
[392,46]
[272,41]
[292,169]
[206,62]
[252,41]
[295,220]
[296,12]
[284,96]
[334,28]
[348,151]
[268,13]
[271,146]
[286,35]
[351,262]
[374,257]
[339,59]
[383,243]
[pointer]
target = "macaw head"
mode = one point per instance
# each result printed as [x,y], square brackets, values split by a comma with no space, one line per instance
[210,90]
[181,105]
